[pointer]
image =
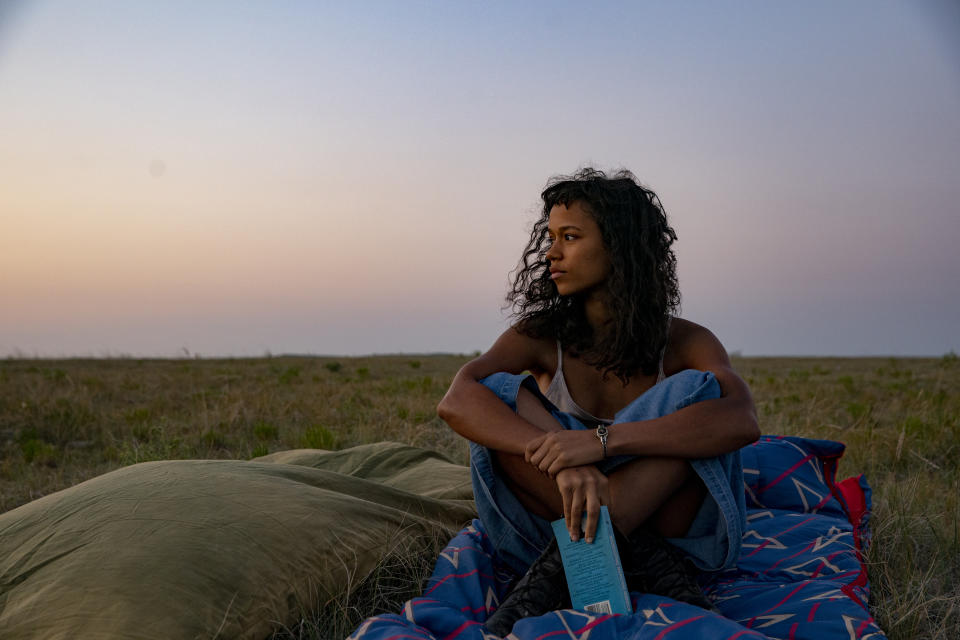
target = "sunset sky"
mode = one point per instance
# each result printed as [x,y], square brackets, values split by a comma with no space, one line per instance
[237,178]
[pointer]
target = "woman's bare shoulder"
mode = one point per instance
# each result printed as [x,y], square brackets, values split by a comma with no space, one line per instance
[516,352]
[682,330]
[692,346]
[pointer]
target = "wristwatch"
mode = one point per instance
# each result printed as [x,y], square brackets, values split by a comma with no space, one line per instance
[602,433]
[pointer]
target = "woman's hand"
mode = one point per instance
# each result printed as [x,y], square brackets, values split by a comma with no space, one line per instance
[582,489]
[557,450]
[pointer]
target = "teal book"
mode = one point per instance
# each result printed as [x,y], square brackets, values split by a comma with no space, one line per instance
[594,573]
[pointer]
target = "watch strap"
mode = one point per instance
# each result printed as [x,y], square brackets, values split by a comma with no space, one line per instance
[602,433]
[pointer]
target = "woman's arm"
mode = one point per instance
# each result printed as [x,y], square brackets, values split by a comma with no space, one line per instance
[701,430]
[477,413]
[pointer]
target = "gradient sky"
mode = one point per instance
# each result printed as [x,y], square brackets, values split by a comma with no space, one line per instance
[233,178]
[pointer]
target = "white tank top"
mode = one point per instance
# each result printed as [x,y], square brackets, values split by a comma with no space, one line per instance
[559,394]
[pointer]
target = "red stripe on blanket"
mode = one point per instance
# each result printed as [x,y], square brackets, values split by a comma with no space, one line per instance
[856,503]
[788,529]
[676,625]
[585,627]
[813,610]
[456,575]
[786,473]
[787,597]
[459,630]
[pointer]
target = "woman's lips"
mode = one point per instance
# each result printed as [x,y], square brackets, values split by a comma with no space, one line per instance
[556,274]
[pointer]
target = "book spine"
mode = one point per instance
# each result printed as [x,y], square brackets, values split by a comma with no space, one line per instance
[619,565]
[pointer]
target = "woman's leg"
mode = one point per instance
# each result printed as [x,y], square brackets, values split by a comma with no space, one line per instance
[535,490]
[664,491]
[516,502]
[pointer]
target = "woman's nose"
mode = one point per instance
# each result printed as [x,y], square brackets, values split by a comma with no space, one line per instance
[552,253]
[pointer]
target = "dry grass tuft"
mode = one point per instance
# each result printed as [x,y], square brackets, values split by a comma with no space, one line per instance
[400,576]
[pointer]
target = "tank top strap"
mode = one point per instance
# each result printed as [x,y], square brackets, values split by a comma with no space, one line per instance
[660,375]
[557,389]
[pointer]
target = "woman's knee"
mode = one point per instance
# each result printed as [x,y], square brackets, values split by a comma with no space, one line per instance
[514,390]
[676,392]
[531,409]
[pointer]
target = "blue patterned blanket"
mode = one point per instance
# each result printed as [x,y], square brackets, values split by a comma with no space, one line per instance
[800,574]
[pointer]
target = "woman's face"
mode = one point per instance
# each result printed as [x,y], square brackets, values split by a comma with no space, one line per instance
[578,258]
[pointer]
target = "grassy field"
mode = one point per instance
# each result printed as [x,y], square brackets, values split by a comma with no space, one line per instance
[64,421]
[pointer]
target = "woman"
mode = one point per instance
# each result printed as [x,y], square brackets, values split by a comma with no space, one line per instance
[624,404]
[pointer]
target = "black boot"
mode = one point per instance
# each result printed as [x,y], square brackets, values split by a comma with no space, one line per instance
[543,588]
[653,565]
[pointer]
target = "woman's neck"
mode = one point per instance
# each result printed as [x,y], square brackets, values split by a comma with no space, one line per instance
[596,312]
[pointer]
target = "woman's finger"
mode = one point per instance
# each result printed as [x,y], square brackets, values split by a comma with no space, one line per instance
[566,493]
[604,491]
[535,457]
[546,461]
[532,448]
[556,466]
[593,514]
[575,519]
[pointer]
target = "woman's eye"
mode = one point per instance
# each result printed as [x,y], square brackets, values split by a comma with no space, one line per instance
[569,236]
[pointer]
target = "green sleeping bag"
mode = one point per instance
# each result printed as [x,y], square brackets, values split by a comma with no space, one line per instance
[216,549]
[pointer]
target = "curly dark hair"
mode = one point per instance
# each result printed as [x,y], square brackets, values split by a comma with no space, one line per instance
[641,291]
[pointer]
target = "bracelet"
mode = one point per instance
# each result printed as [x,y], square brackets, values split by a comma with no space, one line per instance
[602,433]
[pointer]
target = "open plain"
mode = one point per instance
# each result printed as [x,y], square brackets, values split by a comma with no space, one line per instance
[65,421]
